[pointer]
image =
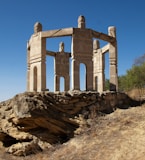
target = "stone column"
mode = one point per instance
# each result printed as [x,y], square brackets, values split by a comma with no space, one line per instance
[113,60]
[99,61]
[42,74]
[82,52]
[37,58]
[89,75]
[75,75]
[101,75]
[96,46]
[67,81]
[56,83]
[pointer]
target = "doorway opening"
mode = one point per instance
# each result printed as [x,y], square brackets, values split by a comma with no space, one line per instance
[82,77]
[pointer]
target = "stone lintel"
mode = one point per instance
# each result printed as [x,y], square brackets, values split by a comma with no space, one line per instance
[103,36]
[57,33]
[105,49]
[52,53]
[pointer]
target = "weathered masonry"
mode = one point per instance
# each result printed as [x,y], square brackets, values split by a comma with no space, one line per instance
[85,48]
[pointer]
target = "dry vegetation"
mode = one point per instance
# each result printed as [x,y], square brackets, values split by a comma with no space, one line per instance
[137,93]
[116,136]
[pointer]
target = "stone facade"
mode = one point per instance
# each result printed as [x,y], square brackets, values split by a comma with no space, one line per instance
[83,51]
[62,68]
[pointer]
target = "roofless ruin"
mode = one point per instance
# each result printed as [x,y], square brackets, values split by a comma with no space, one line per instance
[85,48]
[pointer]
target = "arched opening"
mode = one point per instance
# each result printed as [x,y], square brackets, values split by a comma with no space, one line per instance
[62,84]
[35,79]
[107,72]
[50,73]
[83,77]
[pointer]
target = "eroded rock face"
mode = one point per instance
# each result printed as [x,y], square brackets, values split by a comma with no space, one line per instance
[31,122]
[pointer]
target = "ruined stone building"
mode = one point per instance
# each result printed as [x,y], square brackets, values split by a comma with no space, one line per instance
[85,48]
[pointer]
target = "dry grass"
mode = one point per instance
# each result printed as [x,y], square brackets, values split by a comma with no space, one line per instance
[116,136]
[137,93]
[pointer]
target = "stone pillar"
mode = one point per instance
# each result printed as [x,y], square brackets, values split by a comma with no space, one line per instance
[56,76]
[82,52]
[56,83]
[113,60]
[37,58]
[41,64]
[101,75]
[89,75]
[41,77]
[75,75]
[61,68]
[99,63]
[96,46]
[67,83]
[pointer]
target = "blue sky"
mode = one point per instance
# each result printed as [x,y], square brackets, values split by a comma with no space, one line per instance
[17,18]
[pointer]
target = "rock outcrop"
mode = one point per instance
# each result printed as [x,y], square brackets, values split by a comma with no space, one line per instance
[32,121]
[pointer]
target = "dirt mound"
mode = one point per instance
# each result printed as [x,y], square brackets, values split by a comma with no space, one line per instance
[116,136]
[29,124]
